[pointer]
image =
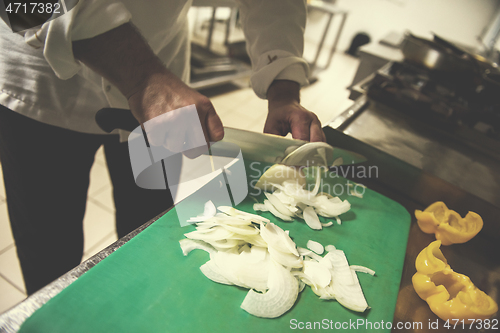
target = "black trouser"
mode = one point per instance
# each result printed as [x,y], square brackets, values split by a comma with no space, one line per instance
[46,173]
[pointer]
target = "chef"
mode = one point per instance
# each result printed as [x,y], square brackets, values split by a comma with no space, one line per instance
[122,54]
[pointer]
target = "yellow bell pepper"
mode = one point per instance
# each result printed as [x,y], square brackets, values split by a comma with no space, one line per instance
[448,225]
[450,295]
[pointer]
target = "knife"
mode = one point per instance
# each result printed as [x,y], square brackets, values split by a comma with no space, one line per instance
[254,146]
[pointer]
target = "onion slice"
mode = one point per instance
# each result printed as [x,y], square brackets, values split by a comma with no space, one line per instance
[278,204]
[330,248]
[312,219]
[345,284]
[278,238]
[260,207]
[362,269]
[208,212]
[317,273]
[281,296]
[241,214]
[315,246]
[188,245]
[213,272]
[275,212]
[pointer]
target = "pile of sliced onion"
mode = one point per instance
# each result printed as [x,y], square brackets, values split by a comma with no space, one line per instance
[291,200]
[249,251]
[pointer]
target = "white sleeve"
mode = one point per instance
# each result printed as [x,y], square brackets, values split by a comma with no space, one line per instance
[87,19]
[274,30]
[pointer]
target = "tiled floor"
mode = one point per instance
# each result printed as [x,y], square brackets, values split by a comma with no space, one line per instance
[238,108]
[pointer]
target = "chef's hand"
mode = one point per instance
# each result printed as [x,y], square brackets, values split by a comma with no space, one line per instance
[164,92]
[286,115]
[125,59]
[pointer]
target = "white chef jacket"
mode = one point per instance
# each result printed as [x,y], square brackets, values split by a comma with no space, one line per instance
[40,78]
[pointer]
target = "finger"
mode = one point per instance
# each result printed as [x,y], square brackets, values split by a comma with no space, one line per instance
[214,127]
[317,134]
[301,130]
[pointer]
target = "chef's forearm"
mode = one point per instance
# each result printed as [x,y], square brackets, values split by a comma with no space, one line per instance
[121,56]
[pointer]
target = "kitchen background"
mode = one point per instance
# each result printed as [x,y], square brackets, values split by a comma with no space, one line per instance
[461,21]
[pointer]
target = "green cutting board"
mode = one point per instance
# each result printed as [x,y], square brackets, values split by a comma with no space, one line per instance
[149,286]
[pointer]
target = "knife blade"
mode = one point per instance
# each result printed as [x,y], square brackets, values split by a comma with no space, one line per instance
[254,146]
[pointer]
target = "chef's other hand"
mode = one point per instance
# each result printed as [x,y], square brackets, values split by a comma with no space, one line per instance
[286,115]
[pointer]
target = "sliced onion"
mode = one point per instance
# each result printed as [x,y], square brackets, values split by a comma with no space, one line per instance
[306,279]
[267,260]
[248,269]
[315,246]
[302,285]
[275,212]
[326,293]
[254,240]
[278,204]
[211,271]
[285,199]
[188,245]
[277,174]
[330,248]
[238,213]
[226,244]
[260,207]
[294,190]
[278,238]
[210,234]
[281,296]
[241,230]
[362,269]
[285,259]
[312,219]
[315,190]
[254,268]
[308,253]
[327,224]
[302,251]
[317,273]
[331,209]
[208,212]
[345,283]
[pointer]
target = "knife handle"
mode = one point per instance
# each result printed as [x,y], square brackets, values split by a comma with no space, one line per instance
[110,119]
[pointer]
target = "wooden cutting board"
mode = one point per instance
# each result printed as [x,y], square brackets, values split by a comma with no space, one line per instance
[149,286]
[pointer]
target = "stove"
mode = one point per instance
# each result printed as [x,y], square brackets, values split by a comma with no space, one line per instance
[444,124]
[462,104]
